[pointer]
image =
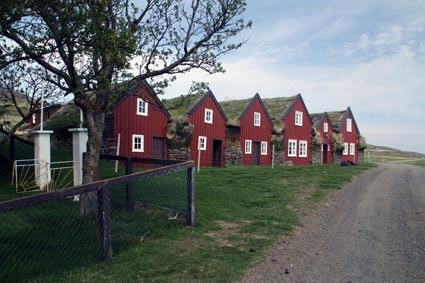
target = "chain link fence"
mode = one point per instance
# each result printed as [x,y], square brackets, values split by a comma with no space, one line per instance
[44,238]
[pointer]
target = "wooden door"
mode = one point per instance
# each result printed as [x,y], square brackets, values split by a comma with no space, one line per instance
[158,146]
[256,148]
[217,153]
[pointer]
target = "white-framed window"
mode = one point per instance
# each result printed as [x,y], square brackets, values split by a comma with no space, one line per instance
[263,148]
[138,143]
[292,148]
[257,119]
[298,118]
[208,116]
[352,148]
[248,146]
[345,152]
[142,107]
[202,143]
[349,125]
[325,127]
[303,149]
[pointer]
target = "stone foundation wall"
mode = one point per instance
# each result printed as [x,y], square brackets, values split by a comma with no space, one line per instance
[179,153]
[337,157]
[233,155]
[361,155]
[279,157]
[316,157]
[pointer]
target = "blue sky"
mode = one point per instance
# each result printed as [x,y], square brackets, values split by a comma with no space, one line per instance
[369,55]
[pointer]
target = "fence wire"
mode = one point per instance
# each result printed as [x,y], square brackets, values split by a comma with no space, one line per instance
[51,241]
[44,242]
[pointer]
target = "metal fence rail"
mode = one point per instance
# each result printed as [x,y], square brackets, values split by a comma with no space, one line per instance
[44,234]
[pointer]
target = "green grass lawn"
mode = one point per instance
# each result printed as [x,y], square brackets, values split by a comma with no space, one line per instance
[240,212]
[419,163]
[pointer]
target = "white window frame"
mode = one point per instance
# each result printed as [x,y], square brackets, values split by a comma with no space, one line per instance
[293,152]
[257,119]
[349,125]
[302,146]
[352,148]
[345,152]
[202,143]
[325,127]
[248,146]
[298,118]
[263,148]
[144,108]
[134,146]
[208,116]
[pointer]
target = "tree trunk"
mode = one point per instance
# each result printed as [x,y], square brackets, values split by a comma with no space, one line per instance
[95,125]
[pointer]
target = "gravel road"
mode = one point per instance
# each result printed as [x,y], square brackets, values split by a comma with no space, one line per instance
[373,230]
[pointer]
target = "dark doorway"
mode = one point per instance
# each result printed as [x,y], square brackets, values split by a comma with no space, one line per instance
[325,154]
[256,147]
[158,148]
[217,153]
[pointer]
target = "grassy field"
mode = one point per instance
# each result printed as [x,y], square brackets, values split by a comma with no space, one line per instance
[389,155]
[240,212]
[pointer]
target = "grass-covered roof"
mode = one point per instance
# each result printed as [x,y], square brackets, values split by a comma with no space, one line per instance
[336,117]
[179,106]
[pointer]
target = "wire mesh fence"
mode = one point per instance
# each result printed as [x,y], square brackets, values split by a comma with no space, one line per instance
[44,238]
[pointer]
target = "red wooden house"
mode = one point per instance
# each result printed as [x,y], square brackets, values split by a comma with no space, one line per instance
[253,127]
[324,132]
[140,122]
[209,121]
[345,124]
[291,117]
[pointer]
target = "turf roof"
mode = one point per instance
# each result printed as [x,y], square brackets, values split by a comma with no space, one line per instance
[275,106]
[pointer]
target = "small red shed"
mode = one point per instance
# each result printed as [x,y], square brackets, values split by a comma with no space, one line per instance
[205,120]
[291,118]
[324,132]
[140,122]
[253,127]
[345,124]
[209,131]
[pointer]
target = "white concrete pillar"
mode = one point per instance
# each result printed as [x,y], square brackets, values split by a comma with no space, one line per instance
[79,146]
[42,155]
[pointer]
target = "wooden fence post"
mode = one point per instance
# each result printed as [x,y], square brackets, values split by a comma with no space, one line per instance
[104,218]
[129,186]
[191,218]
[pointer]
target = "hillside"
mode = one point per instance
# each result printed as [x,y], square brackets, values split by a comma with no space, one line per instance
[376,153]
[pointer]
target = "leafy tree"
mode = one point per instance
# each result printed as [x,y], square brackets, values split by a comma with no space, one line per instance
[87,46]
[22,87]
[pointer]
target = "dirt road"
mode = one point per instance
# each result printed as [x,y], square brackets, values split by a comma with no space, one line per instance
[371,231]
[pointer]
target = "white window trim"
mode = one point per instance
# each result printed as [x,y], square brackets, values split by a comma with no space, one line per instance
[257,122]
[325,127]
[352,148]
[248,146]
[345,152]
[295,148]
[199,143]
[299,122]
[302,154]
[206,115]
[145,113]
[263,148]
[142,143]
[349,125]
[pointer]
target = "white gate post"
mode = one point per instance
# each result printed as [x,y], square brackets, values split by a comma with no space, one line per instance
[79,146]
[42,153]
